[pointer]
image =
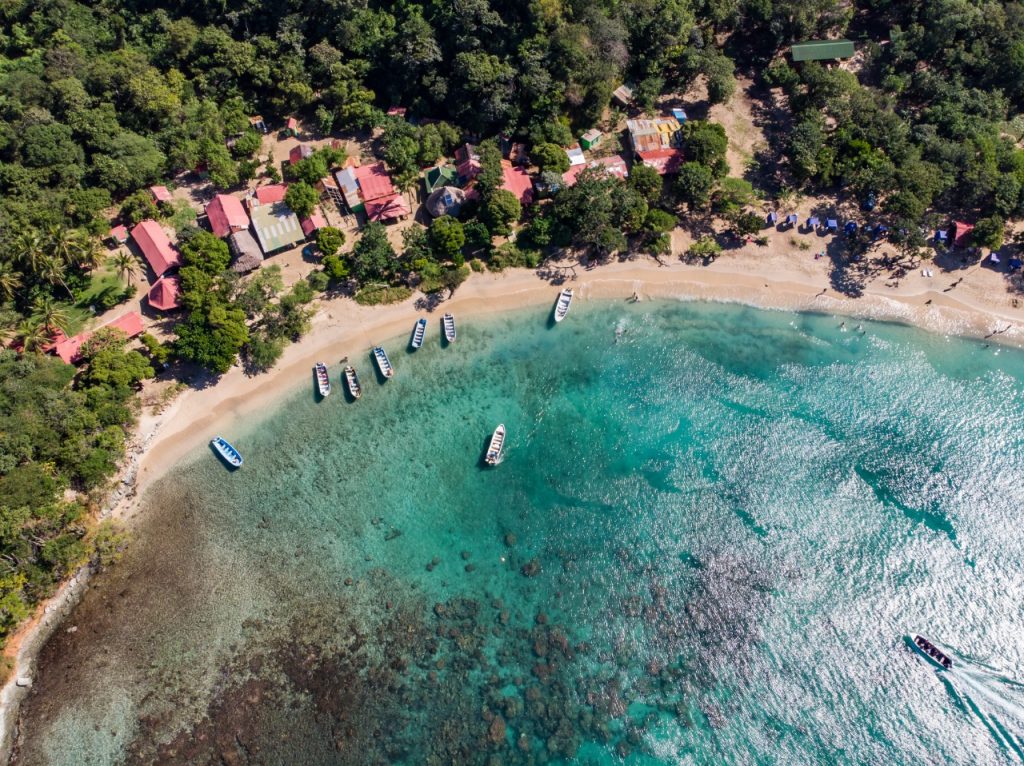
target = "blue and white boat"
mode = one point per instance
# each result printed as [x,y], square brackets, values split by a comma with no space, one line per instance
[323,380]
[563,303]
[383,363]
[448,322]
[228,454]
[418,332]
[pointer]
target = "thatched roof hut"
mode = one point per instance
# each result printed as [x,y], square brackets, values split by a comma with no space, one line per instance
[248,255]
[445,201]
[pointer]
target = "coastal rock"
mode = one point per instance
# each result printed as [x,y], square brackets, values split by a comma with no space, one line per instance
[465,555]
[510,539]
[470,567]
[24,681]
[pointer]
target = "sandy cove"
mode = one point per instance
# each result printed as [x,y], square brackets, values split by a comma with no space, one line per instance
[979,305]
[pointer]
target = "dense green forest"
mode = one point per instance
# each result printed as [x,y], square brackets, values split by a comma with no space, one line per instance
[100,100]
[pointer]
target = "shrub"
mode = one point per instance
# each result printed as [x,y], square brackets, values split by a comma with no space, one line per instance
[379,295]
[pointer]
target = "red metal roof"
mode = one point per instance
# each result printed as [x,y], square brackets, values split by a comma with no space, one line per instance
[70,349]
[160,193]
[615,165]
[119,233]
[517,182]
[374,181]
[663,160]
[267,195]
[300,152]
[962,233]
[156,247]
[163,295]
[311,224]
[397,111]
[292,123]
[226,215]
[387,208]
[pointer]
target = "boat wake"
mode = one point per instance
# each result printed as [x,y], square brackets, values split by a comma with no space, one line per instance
[993,698]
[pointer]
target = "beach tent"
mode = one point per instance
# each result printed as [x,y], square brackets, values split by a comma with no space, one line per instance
[791,219]
[940,236]
[772,218]
[994,257]
[850,228]
[679,114]
[1015,263]
[813,222]
[832,224]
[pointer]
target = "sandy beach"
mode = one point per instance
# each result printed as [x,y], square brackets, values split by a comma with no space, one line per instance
[979,305]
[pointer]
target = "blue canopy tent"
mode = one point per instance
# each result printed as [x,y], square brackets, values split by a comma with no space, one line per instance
[680,115]
[880,231]
[791,219]
[772,218]
[1016,263]
[940,236]
[813,222]
[832,224]
[851,227]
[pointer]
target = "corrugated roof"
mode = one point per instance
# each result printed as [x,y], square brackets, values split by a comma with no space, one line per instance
[822,50]
[311,224]
[69,349]
[226,214]
[663,160]
[160,193]
[267,195]
[614,165]
[156,246]
[163,295]
[387,208]
[277,227]
[374,181]
[517,181]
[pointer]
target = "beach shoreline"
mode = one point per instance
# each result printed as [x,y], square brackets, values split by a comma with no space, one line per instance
[343,328]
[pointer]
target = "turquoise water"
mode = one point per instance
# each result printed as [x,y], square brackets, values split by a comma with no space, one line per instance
[712,533]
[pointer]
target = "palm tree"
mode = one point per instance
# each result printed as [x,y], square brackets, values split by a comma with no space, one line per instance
[126,265]
[30,249]
[52,272]
[89,253]
[33,336]
[50,314]
[10,281]
[62,244]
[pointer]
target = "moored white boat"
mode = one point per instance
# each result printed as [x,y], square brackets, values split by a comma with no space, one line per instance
[418,332]
[323,380]
[493,456]
[448,320]
[563,304]
[353,382]
[227,453]
[383,363]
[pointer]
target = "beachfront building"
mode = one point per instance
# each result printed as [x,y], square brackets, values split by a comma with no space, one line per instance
[575,154]
[226,214]
[436,177]
[623,95]
[163,295]
[467,163]
[348,184]
[118,234]
[245,252]
[156,247]
[517,181]
[70,349]
[368,188]
[160,194]
[313,224]
[656,143]
[960,234]
[614,165]
[276,226]
[445,200]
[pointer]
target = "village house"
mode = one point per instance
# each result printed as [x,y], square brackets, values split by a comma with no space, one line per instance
[70,349]
[277,227]
[163,295]
[614,165]
[299,153]
[226,214]
[156,247]
[656,142]
[245,251]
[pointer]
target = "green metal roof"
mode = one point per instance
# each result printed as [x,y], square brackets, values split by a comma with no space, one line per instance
[439,176]
[821,50]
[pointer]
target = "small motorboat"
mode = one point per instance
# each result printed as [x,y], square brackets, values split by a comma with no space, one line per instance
[353,382]
[448,321]
[323,380]
[932,653]
[227,453]
[493,456]
[563,304]
[383,363]
[418,332]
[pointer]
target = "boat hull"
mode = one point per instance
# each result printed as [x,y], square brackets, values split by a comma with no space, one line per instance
[323,381]
[352,381]
[448,321]
[418,333]
[563,304]
[935,656]
[496,446]
[383,363]
[227,453]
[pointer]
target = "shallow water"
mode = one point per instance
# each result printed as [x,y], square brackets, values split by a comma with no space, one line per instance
[712,532]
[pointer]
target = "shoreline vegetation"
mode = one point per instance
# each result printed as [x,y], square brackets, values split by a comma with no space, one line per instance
[424,157]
